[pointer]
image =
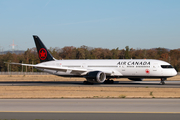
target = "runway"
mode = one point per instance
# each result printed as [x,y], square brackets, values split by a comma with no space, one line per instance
[91,105]
[86,109]
[156,84]
[89,116]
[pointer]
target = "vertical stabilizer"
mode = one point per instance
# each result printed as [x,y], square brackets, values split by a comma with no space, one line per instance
[43,53]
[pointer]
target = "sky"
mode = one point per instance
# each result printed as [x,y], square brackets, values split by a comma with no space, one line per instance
[139,24]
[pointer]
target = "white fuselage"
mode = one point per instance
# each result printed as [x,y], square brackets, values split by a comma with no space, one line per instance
[117,68]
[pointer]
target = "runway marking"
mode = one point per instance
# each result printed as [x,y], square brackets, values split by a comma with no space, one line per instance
[85,112]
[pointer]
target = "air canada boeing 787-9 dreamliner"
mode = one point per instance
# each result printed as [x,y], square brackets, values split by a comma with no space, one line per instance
[102,70]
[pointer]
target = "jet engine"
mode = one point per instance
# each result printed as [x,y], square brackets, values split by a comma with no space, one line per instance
[96,77]
[136,79]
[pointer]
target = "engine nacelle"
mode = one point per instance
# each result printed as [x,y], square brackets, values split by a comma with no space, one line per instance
[136,79]
[96,77]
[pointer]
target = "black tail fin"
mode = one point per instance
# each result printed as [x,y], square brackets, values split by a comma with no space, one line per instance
[43,53]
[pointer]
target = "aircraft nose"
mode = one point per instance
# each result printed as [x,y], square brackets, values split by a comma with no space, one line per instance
[174,72]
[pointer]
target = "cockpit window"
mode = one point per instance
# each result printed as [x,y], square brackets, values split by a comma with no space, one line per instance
[166,66]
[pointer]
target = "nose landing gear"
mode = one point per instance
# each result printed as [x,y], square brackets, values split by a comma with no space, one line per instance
[162,81]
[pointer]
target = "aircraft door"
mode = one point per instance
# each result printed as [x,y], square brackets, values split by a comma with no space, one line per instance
[84,65]
[155,65]
[123,68]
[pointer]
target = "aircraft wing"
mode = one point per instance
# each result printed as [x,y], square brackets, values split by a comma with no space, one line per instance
[81,71]
[63,69]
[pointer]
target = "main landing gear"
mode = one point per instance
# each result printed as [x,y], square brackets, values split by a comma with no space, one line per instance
[162,81]
[108,81]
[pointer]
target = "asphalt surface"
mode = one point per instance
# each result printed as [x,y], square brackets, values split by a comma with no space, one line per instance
[156,84]
[86,109]
[91,105]
[89,116]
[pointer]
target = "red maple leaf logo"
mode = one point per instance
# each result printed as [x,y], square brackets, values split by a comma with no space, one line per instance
[42,54]
[147,71]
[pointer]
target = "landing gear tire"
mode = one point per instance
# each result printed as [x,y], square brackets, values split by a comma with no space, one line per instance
[108,81]
[162,81]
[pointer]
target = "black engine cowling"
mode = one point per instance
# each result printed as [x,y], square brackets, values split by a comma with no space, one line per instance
[136,79]
[96,77]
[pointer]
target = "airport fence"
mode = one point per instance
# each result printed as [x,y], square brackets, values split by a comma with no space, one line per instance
[23,73]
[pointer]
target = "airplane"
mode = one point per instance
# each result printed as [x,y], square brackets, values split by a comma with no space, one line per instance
[101,70]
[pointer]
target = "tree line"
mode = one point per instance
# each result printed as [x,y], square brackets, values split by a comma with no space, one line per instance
[30,56]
